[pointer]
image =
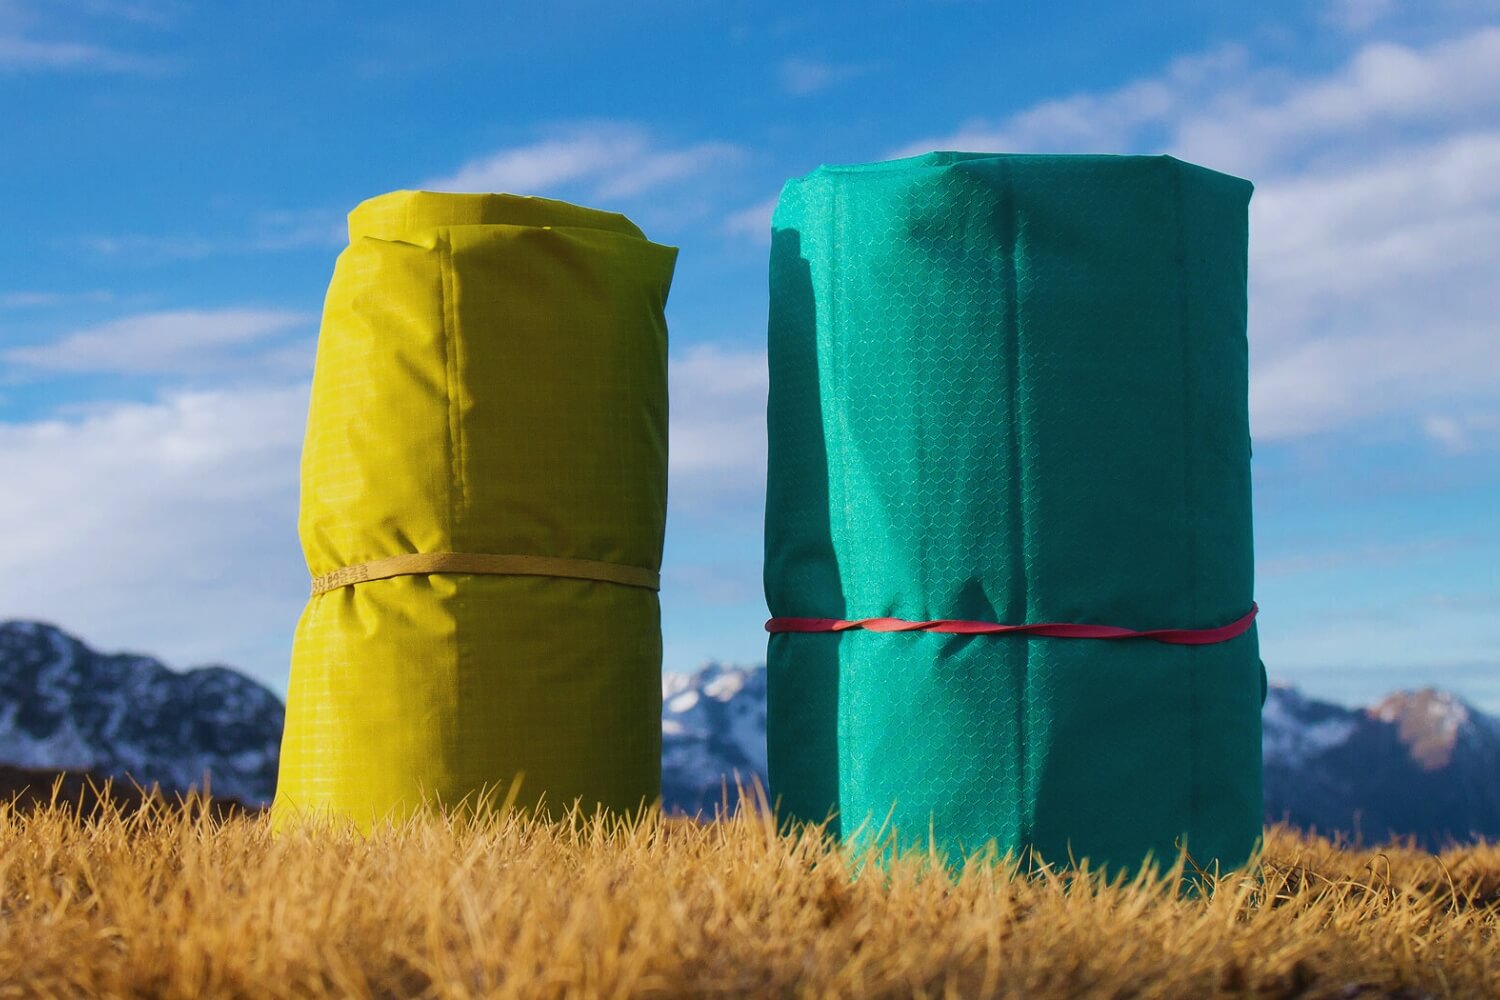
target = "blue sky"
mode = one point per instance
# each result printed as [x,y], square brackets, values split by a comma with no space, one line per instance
[173,179]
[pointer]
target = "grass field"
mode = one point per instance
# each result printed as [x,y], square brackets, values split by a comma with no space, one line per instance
[164,903]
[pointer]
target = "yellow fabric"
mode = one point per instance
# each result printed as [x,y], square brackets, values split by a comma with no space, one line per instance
[490,378]
[486,562]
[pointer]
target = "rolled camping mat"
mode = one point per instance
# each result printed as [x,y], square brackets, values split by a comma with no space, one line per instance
[1011,390]
[483,501]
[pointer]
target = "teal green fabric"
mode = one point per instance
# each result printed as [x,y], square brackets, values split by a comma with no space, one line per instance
[1013,388]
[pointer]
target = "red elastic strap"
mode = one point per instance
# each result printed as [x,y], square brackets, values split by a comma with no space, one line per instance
[1056,630]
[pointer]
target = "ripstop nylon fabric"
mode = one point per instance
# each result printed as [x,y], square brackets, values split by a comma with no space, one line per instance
[491,378]
[1012,388]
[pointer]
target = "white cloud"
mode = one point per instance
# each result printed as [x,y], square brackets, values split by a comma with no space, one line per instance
[153,248]
[1383,87]
[1464,433]
[283,230]
[718,432]
[1372,287]
[602,162]
[19,54]
[167,527]
[1359,15]
[1417,210]
[156,13]
[649,169]
[801,76]
[21,51]
[1094,122]
[753,222]
[1221,110]
[180,342]
[605,160]
[1374,224]
[269,232]
[39,299]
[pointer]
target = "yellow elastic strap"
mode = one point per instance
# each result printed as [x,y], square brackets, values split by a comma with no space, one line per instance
[479,562]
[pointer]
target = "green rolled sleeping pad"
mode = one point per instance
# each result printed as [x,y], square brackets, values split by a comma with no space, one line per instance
[1012,390]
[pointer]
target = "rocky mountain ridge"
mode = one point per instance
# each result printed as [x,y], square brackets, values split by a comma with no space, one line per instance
[64,706]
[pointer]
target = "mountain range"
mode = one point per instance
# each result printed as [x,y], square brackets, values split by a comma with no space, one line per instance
[1421,764]
[64,706]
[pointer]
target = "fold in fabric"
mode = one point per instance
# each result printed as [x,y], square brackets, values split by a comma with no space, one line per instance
[490,384]
[488,563]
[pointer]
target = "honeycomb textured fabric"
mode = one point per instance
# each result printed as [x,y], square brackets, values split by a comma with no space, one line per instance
[1013,388]
[490,381]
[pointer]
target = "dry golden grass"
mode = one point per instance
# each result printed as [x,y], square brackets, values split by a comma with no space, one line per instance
[167,904]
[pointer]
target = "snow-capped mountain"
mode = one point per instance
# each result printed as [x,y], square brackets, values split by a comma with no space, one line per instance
[65,707]
[713,732]
[1422,763]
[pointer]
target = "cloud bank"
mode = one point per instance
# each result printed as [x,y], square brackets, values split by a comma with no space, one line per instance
[1373,226]
[605,161]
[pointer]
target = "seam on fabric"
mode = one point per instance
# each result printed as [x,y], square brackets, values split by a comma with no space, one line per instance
[457,458]
[1017,585]
[1184,333]
[485,563]
[447,341]
[444,240]
[838,359]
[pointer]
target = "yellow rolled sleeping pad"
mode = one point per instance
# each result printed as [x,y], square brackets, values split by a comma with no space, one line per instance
[483,501]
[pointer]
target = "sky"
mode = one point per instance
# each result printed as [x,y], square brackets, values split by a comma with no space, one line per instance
[174,178]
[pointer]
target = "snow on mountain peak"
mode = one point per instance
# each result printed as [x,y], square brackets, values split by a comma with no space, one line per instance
[1295,729]
[1429,722]
[65,706]
[713,734]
